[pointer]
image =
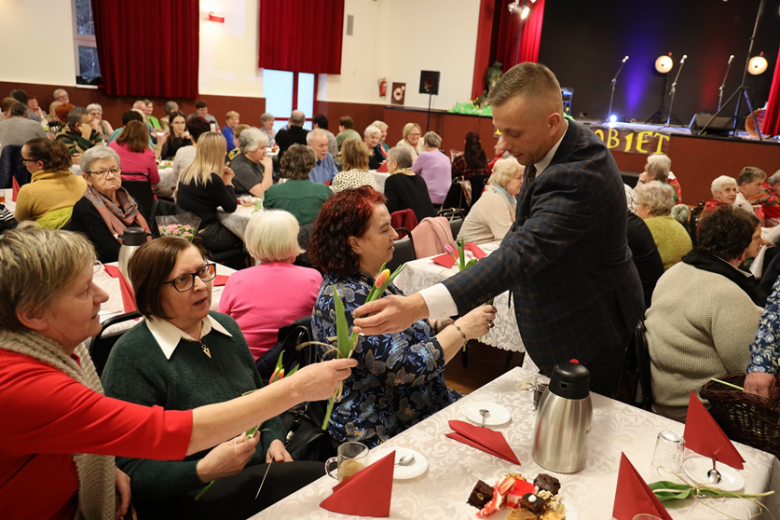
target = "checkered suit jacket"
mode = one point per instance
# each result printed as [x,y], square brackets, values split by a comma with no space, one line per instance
[576,291]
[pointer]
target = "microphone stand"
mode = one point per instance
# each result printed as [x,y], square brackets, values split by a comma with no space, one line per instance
[674,89]
[723,85]
[614,82]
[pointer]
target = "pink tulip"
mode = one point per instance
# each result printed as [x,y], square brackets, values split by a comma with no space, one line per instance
[449,249]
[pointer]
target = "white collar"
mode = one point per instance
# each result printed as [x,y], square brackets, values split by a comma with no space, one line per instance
[168,335]
[545,162]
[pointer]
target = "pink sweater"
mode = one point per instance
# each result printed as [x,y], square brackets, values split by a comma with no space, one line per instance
[269,296]
[133,162]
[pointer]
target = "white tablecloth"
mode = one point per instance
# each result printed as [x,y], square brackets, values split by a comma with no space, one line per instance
[380,179]
[237,221]
[454,468]
[423,273]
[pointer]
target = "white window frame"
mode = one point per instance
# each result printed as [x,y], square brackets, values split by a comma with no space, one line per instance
[79,40]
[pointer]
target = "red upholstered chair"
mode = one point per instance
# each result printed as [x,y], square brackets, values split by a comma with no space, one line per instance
[404,218]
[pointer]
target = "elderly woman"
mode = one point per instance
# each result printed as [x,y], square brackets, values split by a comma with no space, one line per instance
[435,168]
[48,306]
[102,126]
[404,189]
[193,357]
[299,195]
[106,208]
[354,161]
[267,122]
[373,138]
[132,146]
[382,126]
[399,380]
[54,190]
[494,213]
[272,238]
[654,205]
[411,140]
[179,138]
[205,186]
[35,108]
[658,168]
[724,193]
[254,171]
[472,161]
[704,314]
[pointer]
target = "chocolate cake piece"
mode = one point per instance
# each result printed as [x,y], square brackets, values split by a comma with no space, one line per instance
[480,495]
[547,482]
[533,503]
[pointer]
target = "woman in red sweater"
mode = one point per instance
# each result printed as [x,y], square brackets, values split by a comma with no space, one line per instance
[60,432]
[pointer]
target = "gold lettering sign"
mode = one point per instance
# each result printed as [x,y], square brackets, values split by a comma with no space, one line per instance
[646,142]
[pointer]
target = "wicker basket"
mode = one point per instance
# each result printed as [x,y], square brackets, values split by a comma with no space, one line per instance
[750,419]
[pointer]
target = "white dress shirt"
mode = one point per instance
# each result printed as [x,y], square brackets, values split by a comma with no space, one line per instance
[743,203]
[168,335]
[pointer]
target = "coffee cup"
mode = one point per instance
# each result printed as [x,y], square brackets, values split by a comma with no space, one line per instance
[352,457]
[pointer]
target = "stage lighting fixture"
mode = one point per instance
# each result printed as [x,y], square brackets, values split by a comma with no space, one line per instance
[757,65]
[514,7]
[613,118]
[664,63]
[525,12]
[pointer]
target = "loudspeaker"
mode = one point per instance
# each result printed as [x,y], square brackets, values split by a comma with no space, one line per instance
[720,125]
[429,82]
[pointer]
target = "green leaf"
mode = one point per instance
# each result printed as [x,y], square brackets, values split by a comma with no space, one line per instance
[471,262]
[342,329]
[294,370]
[390,279]
[666,491]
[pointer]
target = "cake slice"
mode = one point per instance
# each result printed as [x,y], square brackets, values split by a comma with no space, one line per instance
[480,495]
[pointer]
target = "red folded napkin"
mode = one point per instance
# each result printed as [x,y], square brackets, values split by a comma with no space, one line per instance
[128,295]
[220,280]
[485,439]
[366,493]
[633,497]
[445,260]
[476,250]
[112,270]
[383,168]
[15,191]
[705,437]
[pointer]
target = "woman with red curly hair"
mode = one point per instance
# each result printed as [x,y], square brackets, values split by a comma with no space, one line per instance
[399,380]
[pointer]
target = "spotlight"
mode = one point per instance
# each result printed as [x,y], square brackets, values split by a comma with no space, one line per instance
[613,118]
[757,65]
[664,64]
[514,7]
[526,11]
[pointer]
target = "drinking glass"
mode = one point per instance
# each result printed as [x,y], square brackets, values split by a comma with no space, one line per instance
[669,451]
[352,457]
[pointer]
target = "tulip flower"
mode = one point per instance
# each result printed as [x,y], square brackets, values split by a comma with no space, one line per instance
[449,249]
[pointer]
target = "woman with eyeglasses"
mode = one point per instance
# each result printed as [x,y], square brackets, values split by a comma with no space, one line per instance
[106,208]
[49,197]
[183,356]
[411,140]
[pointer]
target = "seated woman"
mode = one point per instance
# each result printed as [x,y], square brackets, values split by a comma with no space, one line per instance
[654,205]
[179,138]
[658,168]
[472,161]
[48,308]
[724,193]
[272,238]
[298,195]
[494,213]
[399,380]
[205,186]
[196,126]
[354,161]
[411,140]
[704,314]
[132,146]
[373,138]
[102,126]
[53,191]
[435,168]
[404,189]
[382,126]
[254,171]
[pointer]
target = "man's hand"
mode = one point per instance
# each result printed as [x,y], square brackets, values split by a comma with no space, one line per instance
[390,314]
[122,483]
[759,383]
[277,452]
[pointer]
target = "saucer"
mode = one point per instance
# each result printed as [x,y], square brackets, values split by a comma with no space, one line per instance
[498,415]
[697,467]
[416,469]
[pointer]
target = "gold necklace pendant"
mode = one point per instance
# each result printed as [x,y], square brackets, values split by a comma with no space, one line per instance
[205,349]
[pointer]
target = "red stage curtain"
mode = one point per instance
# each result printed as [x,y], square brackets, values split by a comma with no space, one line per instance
[301,35]
[148,47]
[482,56]
[506,26]
[531,34]
[772,119]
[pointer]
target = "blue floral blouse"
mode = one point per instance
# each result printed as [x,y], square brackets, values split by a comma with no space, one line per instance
[765,349]
[399,380]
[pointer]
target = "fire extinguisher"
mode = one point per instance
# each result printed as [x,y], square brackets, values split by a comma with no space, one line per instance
[383,87]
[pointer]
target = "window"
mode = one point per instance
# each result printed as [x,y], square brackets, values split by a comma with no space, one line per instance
[287,91]
[84,45]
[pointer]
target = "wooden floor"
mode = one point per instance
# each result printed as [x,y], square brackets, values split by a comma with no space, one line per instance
[485,364]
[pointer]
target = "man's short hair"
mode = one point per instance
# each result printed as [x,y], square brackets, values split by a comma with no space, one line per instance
[530,80]
[197,126]
[297,118]
[314,133]
[20,95]
[57,93]
[201,104]
[321,121]
[131,115]
[75,115]
[750,174]
[7,103]
[140,104]
[346,122]
[19,109]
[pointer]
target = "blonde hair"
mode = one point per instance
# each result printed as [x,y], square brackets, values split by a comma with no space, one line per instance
[504,170]
[36,266]
[210,158]
[232,114]
[408,127]
[381,125]
[657,196]
[272,236]
[354,155]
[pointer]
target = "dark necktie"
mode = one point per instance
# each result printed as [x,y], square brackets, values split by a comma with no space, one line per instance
[530,174]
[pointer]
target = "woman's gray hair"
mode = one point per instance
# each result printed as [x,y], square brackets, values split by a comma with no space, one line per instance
[171,106]
[774,178]
[657,196]
[267,117]
[658,167]
[370,130]
[432,139]
[94,106]
[721,182]
[36,266]
[401,156]
[504,170]
[251,139]
[97,153]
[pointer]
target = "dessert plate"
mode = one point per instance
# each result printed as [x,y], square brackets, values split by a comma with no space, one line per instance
[497,414]
[503,513]
[415,469]
[697,467]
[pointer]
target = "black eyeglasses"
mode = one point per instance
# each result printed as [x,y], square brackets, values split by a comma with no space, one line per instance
[25,161]
[103,173]
[186,281]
